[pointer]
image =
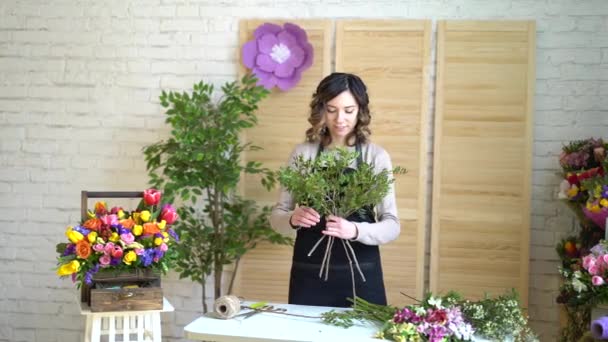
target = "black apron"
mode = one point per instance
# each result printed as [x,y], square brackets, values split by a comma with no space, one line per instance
[305,285]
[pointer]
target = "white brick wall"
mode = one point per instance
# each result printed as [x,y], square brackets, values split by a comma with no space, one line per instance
[79,86]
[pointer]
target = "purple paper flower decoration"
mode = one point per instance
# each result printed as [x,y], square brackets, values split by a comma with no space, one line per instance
[277,55]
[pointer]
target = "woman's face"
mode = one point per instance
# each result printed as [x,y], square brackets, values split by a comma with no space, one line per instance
[341,116]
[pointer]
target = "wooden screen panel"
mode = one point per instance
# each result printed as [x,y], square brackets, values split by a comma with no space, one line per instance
[482,158]
[282,122]
[392,58]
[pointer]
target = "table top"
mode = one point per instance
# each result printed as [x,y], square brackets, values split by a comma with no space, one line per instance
[276,327]
[86,310]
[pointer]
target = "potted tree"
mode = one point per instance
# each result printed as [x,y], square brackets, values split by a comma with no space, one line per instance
[200,164]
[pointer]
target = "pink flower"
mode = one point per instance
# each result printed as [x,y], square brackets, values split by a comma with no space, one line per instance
[169,214]
[163,247]
[104,261]
[588,261]
[597,280]
[605,258]
[594,269]
[98,247]
[109,220]
[139,251]
[128,238]
[117,252]
[109,247]
[152,196]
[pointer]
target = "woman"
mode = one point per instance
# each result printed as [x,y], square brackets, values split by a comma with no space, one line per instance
[339,115]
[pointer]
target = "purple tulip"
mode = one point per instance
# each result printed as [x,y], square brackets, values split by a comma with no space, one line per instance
[278,55]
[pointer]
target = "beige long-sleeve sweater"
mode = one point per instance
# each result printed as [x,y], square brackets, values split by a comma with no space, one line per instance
[386,228]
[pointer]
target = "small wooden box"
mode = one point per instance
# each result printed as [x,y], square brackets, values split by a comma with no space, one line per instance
[136,299]
[109,293]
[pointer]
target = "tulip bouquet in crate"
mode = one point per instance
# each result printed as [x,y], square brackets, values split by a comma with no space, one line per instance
[112,242]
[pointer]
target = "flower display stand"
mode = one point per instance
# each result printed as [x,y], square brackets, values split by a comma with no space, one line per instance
[128,326]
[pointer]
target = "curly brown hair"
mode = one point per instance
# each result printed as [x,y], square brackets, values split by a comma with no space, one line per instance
[330,87]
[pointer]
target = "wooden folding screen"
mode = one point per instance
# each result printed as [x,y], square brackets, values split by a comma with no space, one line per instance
[482,157]
[392,57]
[264,272]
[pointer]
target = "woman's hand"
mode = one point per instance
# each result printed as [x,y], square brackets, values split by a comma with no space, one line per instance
[304,217]
[340,228]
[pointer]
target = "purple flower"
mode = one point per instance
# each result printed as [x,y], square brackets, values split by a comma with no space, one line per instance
[278,55]
[147,257]
[69,249]
[173,234]
[81,230]
[605,191]
[88,277]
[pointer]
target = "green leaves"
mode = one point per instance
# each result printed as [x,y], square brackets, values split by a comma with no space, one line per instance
[200,164]
[323,184]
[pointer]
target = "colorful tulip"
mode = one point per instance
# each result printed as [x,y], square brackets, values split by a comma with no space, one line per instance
[152,197]
[168,214]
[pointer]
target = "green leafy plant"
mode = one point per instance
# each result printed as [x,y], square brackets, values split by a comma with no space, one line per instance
[322,184]
[200,164]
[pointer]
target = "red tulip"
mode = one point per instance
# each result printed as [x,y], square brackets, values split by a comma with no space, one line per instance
[169,214]
[152,196]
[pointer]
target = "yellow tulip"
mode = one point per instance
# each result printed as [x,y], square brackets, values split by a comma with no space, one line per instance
[74,236]
[137,230]
[129,257]
[162,224]
[69,268]
[158,241]
[145,215]
[604,202]
[92,237]
[114,237]
[137,218]
[121,214]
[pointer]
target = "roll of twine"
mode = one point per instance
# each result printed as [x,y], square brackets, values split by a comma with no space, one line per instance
[226,307]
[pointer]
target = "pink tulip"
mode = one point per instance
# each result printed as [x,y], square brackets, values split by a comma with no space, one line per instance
[597,280]
[139,251]
[109,220]
[152,196]
[109,247]
[169,214]
[98,247]
[104,260]
[117,252]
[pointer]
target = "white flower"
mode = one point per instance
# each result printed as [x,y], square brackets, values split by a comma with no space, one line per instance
[436,302]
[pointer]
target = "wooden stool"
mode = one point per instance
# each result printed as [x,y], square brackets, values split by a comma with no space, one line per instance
[143,325]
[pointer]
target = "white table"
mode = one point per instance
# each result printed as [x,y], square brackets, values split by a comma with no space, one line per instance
[142,325]
[276,327]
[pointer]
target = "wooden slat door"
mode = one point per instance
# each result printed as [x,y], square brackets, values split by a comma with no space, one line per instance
[482,157]
[392,58]
[282,122]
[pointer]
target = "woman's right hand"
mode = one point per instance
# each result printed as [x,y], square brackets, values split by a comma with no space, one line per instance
[304,217]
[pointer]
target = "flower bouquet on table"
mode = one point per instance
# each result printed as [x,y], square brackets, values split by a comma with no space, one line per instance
[442,318]
[116,240]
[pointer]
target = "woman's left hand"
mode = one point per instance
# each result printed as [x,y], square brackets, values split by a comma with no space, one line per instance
[340,228]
